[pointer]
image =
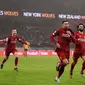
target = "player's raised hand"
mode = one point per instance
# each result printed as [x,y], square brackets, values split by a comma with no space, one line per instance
[57,45]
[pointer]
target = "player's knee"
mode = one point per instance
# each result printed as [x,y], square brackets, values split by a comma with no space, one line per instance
[65,62]
[16,55]
[83,58]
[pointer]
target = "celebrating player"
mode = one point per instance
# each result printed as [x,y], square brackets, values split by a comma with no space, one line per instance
[11,47]
[79,50]
[62,46]
[26,47]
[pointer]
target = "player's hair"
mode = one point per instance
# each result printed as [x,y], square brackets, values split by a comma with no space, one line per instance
[79,25]
[14,29]
[64,21]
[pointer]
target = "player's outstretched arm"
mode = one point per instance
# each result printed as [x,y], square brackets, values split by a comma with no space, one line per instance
[3,41]
[22,41]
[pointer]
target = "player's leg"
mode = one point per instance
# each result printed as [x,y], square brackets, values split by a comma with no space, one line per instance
[61,70]
[72,67]
[5,59]
[64,62]
[82,69]
[58,65]
[16,60]
[83,66]
[25,52]
[75,60]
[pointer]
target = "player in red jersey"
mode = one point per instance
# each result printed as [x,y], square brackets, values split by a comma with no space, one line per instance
[62,46]
[11,47]
[79,50]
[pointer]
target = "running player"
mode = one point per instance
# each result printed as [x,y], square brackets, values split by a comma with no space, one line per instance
[62,46]
[79,50]
[11,48]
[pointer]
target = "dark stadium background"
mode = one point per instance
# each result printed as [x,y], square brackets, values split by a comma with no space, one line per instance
[38,30]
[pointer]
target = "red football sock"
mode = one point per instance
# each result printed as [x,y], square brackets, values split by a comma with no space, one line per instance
[72,67]
[83,66]
[61,71]
[4,60]
[16,61]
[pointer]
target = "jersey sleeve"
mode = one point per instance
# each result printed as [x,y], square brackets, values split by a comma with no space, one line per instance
[4,41]
[74,37]
[53,35]
[20,40]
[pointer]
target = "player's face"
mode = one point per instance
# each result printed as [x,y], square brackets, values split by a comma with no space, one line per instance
[14,32]
[65,25]
[81,27]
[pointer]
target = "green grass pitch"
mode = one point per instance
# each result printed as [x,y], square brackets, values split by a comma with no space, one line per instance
[38,71]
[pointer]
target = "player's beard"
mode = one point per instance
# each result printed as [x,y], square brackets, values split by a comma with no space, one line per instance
[81,30]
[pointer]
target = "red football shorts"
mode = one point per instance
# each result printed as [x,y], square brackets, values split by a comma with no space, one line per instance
[8,51]
[78,54]
[62,55]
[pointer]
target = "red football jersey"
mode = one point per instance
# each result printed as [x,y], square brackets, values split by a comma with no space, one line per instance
[64,38]
[11,42]
[80,44]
